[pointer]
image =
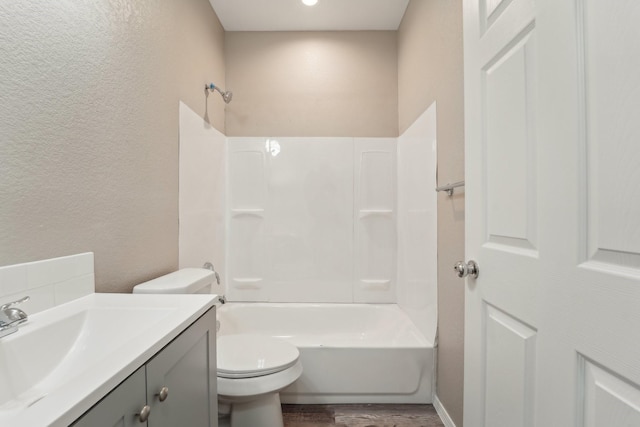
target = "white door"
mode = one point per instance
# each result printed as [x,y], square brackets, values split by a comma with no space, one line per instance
[552,124]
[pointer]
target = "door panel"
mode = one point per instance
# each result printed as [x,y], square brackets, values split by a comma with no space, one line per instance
[608,399]
[611,85]
[510,370]
[509,106]
[491,10]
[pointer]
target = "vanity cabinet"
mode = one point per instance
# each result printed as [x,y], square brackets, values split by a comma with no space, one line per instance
[119,407]
[178,385]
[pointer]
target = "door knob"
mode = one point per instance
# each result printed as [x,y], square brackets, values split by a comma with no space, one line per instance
[467,269]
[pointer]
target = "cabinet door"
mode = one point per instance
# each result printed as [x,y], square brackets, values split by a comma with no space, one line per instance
[120,406]
[187,368]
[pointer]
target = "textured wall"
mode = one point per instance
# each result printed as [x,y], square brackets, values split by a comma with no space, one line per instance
[200,59]
[430,69]
[337,83]
[89,129]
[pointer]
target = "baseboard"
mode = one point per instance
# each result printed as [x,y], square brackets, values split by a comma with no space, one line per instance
[444,416]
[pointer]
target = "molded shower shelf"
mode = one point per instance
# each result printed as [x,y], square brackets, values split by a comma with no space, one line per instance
[248,211]
[375,284]
[248,283]
[369,212]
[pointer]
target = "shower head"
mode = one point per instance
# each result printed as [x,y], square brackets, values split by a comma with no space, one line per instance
[226,95]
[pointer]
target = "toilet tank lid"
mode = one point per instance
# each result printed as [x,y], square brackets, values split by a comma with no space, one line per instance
[183,281]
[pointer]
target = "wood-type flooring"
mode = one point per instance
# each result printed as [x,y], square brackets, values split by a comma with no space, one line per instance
[360,416]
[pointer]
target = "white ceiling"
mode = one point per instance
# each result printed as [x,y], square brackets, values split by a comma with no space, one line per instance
[292,15]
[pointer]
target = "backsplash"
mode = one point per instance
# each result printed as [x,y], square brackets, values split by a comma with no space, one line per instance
[48,282]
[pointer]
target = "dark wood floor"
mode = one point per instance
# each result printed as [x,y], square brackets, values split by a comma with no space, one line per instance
[360,416]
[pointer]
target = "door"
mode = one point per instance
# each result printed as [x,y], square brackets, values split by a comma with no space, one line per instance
[552,125]
[182,378]
[121,407]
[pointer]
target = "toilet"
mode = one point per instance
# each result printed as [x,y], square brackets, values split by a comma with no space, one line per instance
[251,368]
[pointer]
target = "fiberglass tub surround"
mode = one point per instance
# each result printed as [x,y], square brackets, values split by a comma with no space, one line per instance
[304,213]
[333,219]
[323,220]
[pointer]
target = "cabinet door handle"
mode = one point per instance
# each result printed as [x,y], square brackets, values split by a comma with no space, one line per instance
[144,413]
[164,393]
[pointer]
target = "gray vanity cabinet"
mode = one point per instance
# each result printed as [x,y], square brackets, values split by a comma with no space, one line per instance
[119,407]
[178,384]
[187,368]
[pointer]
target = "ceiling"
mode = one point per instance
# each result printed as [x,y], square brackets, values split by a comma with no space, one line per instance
[292,15]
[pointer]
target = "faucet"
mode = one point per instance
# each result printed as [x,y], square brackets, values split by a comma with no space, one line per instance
[209,266]
[11,317]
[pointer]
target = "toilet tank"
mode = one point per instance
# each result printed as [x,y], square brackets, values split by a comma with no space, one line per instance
[183,281]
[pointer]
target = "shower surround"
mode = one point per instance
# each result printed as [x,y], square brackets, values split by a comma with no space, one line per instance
[289,221]
[340,220]
[311,219]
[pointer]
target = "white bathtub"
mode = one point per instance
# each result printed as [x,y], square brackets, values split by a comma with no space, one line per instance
[350,353]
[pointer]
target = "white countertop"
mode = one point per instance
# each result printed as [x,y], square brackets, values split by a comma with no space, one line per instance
[114,334]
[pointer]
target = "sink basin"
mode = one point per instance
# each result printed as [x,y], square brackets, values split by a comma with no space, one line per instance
[49,352]
[70,355]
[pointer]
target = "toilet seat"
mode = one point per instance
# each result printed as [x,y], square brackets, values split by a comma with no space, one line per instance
[234,390]
[250,356]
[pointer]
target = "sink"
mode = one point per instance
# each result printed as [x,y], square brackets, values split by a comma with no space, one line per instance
[50,351]
[64,354]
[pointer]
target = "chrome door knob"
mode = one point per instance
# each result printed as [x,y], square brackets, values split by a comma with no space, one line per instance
[467,269]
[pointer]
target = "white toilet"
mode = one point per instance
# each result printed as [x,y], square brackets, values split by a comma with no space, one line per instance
[252,369]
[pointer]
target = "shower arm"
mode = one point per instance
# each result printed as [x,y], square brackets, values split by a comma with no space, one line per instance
[226,95]
[211,86]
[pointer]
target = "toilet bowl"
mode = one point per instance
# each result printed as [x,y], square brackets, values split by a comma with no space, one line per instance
[251,368]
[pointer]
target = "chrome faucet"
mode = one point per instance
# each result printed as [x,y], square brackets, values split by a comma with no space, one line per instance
[209,266]
[11,317]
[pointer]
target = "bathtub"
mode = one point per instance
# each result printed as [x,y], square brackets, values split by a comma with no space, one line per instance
[350,353]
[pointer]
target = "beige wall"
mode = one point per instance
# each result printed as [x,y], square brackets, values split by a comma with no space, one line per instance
[430,70]
[89,124]
[89,128]
[201,60]
[312,83]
